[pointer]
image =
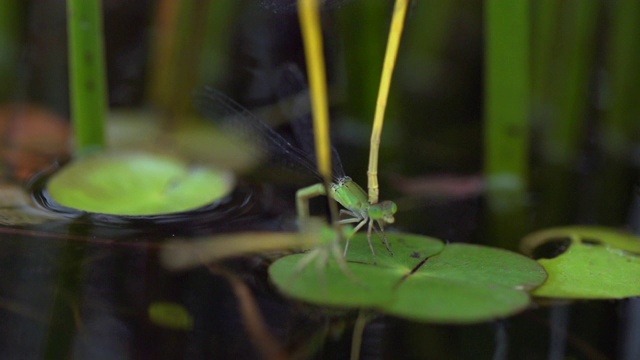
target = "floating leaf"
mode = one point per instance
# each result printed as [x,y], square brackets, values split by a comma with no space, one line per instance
[194,139]
[137,184]
[598,263]
[468,283]
[205,143]
[424,280]
[124,127]
[330,286]
[170,315]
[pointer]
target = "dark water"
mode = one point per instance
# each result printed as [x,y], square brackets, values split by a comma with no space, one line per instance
[81,286]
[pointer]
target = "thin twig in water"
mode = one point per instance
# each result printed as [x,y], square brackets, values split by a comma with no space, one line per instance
[358,332]
[267,345]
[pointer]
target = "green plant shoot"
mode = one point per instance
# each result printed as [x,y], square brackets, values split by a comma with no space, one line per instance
[87,74]
[391,54]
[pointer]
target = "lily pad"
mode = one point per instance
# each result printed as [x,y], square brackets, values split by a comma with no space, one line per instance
[370,284]
[424,280]
[137,184]
[194,139]
[598,263]
[204,143]
[468,283]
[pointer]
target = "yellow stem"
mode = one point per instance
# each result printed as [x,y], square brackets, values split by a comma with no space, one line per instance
[391,54]
[311,32]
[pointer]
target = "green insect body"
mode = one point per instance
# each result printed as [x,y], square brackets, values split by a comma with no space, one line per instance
[358,210]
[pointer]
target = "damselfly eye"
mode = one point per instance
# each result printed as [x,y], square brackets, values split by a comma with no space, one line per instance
[389,207]
[383,211]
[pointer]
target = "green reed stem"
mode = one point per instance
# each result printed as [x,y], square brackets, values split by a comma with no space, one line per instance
[620,128]
[507,112]
[364,52]
[546,16]
[563,103]
[87,74]
[10,18]
[181,28]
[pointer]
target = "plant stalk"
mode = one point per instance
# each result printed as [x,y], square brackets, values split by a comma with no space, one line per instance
[87,74]
[507,99]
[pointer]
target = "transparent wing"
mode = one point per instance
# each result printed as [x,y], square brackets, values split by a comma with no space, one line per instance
[235,118]
[292,86]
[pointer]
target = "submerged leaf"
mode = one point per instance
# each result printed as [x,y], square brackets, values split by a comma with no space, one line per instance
[170,315]
[137,184]
[424,280]
[598,263]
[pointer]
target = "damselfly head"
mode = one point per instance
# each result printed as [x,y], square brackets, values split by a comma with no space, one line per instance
[383,211]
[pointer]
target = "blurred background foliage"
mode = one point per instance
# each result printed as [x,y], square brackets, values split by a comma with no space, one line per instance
[567,88]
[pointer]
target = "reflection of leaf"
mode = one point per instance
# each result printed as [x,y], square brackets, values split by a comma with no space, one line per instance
[137,184]
[16,208]
[424,280]
[598,263]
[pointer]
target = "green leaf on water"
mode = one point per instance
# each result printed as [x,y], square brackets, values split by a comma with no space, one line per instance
[424,280]
[193,139]
[137,184]
[468,283]
[598,263]
[331,286]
